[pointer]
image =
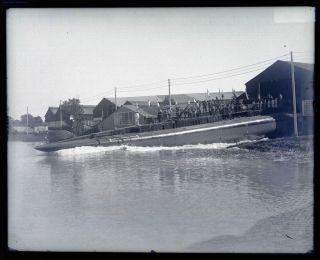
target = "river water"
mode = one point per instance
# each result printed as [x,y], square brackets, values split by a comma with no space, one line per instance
[142,199]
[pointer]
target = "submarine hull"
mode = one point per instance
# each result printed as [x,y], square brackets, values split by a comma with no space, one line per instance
[234,130]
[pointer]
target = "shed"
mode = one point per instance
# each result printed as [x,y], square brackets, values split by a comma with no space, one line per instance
[125,116]
[276,81]
[104,108]
[50,114]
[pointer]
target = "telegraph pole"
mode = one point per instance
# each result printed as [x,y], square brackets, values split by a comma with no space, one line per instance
[259,96]
[115,97]
[169,94]
[295,123]
[60,115]
[27,121]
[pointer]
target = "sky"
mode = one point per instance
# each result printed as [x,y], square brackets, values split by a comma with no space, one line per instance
[56,54]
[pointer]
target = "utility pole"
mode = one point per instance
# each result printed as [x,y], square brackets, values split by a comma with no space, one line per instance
[169,95]
[115,97]
[259,96]
[295,123]
[60,115]
[27,121]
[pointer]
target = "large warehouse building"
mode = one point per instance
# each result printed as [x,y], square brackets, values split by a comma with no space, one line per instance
[276,81]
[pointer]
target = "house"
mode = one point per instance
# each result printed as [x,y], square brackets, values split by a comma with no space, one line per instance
[40,128]
[19,128]
[148,107]
[50,114]
[104,108]
[177,98]
[125,116]
[62,117]
[58,120]
[142,100]
[87,114]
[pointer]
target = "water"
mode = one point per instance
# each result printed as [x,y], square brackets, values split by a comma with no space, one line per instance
[142,199]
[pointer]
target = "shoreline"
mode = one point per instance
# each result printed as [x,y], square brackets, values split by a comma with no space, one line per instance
[26,138]
[288,232]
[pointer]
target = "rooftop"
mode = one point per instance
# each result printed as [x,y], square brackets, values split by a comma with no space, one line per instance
[88,109]
[180,98]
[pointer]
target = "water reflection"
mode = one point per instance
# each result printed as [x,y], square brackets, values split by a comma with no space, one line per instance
[175,169]
[154,198]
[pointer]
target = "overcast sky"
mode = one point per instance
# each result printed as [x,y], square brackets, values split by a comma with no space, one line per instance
[56,54]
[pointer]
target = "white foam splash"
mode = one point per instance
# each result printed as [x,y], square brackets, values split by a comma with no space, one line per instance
[86,150]
[82,150]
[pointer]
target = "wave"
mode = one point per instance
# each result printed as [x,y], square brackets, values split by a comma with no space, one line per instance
[87,150]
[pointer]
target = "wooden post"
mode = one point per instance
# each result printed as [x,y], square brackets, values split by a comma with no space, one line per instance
[295,123]
[259,97]
[115,97]
[169,95]
[60,115]
[27,121]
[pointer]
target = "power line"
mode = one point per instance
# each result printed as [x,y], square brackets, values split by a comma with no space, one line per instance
[144,89]
[96,96]
[250,65]
[226,74]
[123,89]
[146,84]
[220,77]
[197,79]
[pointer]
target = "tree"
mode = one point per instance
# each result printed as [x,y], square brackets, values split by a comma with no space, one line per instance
[78,126]
[38,120]
[31,119]
[9,123]
[23,118]
[72,107]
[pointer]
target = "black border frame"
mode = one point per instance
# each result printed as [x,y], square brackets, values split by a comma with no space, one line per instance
[7,4]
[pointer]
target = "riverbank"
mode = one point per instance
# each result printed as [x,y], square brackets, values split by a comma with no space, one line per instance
[289,232]
[27,138]
[300,143]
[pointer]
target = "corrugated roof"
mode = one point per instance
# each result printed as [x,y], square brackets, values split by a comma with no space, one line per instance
[140,103]
[180,98]
[140,111]
[153,110]
[122,100]
[213,95]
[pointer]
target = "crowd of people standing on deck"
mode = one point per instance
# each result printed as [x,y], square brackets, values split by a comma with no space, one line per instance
[218,106]
[201,108]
